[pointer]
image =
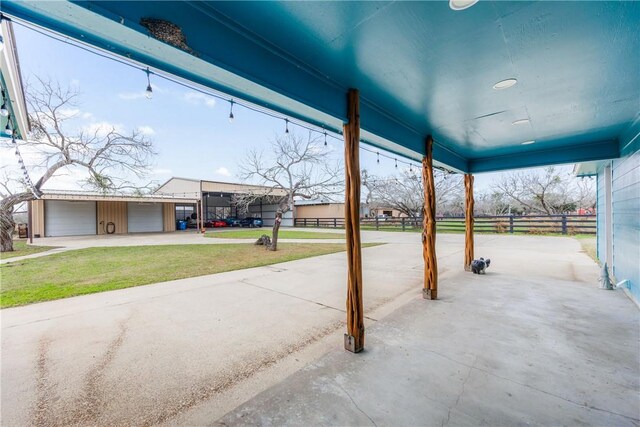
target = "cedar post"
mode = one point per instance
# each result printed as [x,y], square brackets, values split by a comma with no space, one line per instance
[354,338]
[468,233]
[430,290]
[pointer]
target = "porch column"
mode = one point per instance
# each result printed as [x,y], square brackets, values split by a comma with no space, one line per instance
[468,223]
[354,338]
[430,290]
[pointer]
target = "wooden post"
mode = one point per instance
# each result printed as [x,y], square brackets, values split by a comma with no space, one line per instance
[30,221]
[430,290]
[354,338]
[468,234]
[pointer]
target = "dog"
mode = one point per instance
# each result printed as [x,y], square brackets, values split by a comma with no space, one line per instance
[479,266]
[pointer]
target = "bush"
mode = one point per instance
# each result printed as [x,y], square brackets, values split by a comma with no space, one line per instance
[502,227]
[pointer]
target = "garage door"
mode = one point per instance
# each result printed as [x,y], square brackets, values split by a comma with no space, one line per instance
[66,218]
[144,217]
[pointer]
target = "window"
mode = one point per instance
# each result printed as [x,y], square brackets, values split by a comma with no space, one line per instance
[183,212]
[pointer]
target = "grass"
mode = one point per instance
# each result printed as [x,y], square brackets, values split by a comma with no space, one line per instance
[283,234]
[20,248]
[588,243]
[91,270]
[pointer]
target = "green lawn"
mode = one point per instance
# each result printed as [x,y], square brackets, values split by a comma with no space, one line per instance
[588,243]
[21,248]
[283,234]
[86,271]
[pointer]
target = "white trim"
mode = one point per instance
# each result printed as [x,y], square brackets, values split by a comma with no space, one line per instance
[10,67]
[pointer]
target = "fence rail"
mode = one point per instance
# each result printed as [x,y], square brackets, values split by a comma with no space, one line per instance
[541,224]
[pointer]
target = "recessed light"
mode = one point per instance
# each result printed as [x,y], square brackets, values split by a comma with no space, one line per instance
[527,142]
[504,84]
[520,122]
[461,4]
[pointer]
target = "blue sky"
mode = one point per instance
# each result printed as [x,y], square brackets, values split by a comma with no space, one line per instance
[191,132]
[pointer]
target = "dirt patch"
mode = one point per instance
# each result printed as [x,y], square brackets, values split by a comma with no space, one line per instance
[239,372]
[86,409]
[42,412]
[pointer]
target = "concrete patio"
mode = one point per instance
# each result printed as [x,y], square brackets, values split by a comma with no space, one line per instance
[515,347]
[533,341]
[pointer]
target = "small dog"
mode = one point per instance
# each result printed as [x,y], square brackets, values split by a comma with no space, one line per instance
[478,266]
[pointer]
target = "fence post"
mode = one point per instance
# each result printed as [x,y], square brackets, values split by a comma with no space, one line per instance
[318,222]
[377,225]
[564,224]
[511,224]
[305,222]
[403,224]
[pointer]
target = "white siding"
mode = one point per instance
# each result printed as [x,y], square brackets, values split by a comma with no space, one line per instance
[69,218]
[144,217]
[180,187]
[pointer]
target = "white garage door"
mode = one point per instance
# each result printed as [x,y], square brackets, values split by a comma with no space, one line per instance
[144,217]
[66,218]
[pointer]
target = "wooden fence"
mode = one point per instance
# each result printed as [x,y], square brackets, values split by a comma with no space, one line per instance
[539,224]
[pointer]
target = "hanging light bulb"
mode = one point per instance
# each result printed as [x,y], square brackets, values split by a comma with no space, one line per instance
[231,112]
[396,163]
[149,91]
[410,167]
[325,138]
[378,157]
[4,111]
[286,125]
[7,129]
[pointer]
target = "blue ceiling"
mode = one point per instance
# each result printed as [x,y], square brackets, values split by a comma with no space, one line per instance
[421,68]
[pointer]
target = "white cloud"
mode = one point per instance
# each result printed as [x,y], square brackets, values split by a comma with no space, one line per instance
[223,171]
[146,130]
[198,98]
[102,128]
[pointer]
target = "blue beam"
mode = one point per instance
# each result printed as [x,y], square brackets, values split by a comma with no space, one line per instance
[553,156]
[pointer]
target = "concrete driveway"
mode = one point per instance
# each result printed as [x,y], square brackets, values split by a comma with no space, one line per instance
[189,351]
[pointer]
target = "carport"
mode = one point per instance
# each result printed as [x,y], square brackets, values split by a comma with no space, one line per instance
[72,213]
[469,86]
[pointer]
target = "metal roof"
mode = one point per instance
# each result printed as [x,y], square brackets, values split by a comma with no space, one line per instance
[81,195]
[421,67]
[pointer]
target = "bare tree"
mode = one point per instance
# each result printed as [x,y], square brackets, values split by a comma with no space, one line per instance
[494,203]
[107,154]
[547,192]
[295,168]
[406,193]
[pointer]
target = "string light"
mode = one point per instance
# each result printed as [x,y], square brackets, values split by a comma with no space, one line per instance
[149,91]
[7,129]
[4,111]
[207,92]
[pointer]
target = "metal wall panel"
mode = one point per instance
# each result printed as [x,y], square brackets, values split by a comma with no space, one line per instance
[69,218]
[115,212]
